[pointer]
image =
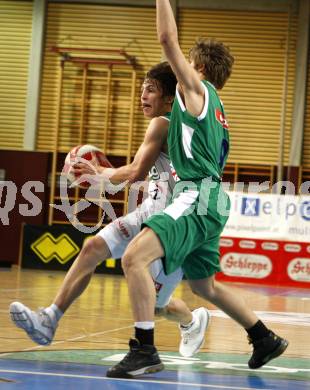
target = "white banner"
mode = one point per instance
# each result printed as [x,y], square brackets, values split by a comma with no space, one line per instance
[269,216]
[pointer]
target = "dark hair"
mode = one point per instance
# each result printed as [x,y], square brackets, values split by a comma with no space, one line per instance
[163,74]
[215,58]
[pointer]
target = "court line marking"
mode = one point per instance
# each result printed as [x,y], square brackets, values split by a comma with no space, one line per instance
[24,289]
[130,380]
[81,337]
[71,339]
[280,317]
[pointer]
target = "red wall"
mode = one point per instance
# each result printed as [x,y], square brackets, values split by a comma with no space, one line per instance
[20,167]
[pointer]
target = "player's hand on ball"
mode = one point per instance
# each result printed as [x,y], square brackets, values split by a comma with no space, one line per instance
[84,166]
[81,168]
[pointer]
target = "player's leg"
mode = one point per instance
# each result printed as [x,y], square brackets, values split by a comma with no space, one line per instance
[142,357]
[176,311]
[110,241]
[165,237]
[200,270]
[266,344]
[192,325]
[140,253]
[222,297]
[79,275]
[41,325]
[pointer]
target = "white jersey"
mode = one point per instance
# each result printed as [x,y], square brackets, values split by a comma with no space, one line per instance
[160,188]
[120,232]
[161,183]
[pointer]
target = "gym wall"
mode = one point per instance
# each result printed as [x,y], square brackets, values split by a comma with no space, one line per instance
[259,97]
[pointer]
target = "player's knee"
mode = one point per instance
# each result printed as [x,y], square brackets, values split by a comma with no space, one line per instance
[205,291]
[94,247]
[129,263]
[132,260]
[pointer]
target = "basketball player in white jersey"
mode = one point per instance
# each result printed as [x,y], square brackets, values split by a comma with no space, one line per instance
[158,91]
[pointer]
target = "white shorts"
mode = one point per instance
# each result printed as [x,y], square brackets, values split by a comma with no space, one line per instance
[118,235]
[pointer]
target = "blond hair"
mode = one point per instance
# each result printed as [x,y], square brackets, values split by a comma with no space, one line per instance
[214,58]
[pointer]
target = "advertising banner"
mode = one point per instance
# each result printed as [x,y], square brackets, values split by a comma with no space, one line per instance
[277,263]
[269,216]
[56,247]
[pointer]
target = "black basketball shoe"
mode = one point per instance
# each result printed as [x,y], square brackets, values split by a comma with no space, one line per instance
[141,359]
[265,349]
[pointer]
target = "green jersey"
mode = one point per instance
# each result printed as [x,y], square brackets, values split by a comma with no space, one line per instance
[198,146]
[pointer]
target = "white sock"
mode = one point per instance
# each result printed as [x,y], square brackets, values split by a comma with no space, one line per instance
[145,325]
[54,312]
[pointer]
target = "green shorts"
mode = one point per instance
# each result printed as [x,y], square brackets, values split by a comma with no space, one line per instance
[190,227]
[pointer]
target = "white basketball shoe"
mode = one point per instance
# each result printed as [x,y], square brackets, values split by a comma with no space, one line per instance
[192,338]
[39,325]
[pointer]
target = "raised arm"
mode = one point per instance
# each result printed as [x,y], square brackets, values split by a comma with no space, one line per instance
[188,77]
[147,154]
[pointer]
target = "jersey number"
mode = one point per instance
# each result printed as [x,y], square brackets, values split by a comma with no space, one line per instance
[224,151]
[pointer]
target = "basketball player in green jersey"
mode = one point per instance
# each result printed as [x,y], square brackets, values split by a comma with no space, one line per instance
[187,232]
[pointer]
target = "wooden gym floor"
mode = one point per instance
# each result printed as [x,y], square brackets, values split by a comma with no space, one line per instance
[94,334]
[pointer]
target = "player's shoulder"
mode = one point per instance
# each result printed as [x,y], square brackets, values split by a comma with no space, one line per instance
[159,123]
[158,129]
[161,120]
